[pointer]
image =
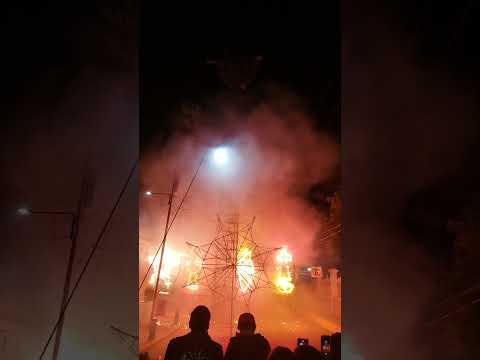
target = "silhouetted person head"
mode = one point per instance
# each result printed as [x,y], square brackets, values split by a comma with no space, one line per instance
[246,345]
[282,353]
[200,319]
[306,352]
[246,324]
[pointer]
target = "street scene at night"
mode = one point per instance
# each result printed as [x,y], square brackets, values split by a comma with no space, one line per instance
[262,181]
[240,196]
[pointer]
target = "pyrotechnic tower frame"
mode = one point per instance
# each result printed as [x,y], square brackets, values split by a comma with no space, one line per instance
[233,265]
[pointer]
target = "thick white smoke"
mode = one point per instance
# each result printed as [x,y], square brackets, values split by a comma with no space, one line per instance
[274,157]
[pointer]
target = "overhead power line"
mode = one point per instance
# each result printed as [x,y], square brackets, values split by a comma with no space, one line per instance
[173,220]
[89,259]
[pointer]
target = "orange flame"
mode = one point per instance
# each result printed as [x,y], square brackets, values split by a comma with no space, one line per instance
[171,260]
[283,281]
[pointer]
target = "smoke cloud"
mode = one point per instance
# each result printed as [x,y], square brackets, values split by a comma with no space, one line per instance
[404,127]
[274,157]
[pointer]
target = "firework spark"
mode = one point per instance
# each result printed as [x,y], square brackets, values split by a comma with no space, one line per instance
[171,261]
[283,281]
[245,269]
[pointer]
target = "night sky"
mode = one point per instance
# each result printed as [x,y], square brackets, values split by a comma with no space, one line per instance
[303,56]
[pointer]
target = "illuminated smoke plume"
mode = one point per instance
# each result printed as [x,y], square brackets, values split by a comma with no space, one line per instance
[271,157]
[404,128]
[275,156]
[171,260]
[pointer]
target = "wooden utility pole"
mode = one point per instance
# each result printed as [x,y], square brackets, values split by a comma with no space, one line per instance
[71,258]
[153,326]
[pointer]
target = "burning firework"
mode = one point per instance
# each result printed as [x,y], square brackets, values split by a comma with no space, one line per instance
[171,260]
[192,269]
[283,281]
[245,269]
[233,262]
[192,281]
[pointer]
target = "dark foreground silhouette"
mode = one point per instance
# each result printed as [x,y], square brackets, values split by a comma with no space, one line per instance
[247,345]
[196,345]
[282,353]
[307,352]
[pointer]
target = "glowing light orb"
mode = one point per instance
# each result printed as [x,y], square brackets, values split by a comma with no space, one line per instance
[220,156]
[23,211]
[245,269]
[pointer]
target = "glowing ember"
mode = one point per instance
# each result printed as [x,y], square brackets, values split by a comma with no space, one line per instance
[284,284]
[245,269]
[283,281]
[171,260]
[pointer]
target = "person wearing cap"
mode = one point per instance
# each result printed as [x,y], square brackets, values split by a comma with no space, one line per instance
[197,344]
[247,345]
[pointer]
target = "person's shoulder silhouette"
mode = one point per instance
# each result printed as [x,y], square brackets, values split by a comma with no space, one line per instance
[196,345]
[246,344]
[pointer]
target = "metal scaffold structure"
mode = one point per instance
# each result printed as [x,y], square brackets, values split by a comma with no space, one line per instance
[232,265]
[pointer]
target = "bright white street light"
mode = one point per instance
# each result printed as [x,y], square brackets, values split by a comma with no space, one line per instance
[220,156]
[23,211]
[148,193]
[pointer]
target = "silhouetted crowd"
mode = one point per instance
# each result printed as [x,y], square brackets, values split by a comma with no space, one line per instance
[245,345]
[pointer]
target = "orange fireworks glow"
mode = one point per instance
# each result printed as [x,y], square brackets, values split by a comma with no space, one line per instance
[192,281]
[245,269]
[171,261]
[192,270]
[283,280]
